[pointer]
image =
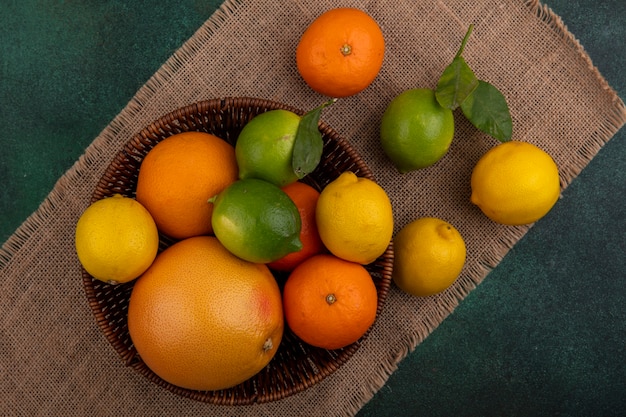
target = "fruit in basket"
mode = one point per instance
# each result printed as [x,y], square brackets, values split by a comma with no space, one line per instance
[179,175]
[116,239]
[203,319]
[429,254]
[264,148]
[305,198]
[354,218]
[416,131]
[256,221]
[515,183]
[329,302]
[341,52]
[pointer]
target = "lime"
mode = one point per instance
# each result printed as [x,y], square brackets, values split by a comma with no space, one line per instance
[416,131]
[264,148]
[116,239]
[429,254]
[256,221]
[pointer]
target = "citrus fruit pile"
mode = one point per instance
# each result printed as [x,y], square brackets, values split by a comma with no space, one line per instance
[207,312]
[514,183]
[256,250]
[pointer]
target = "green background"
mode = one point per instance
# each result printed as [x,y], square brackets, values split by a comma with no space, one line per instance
[544,334]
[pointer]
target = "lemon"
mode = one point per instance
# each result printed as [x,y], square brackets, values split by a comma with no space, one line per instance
[515,183]
[416,131]
[429,254]
[116,239]
[264,148]
[354,218]
[256,221]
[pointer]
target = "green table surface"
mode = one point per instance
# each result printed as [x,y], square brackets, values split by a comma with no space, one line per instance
[544,334]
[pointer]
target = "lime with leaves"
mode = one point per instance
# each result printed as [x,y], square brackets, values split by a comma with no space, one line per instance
[416,131]
[417,126]
[256,221]
[264,147]
[280,146]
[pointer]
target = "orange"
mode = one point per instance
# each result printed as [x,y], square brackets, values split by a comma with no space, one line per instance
[341,52]
[305,198]
[204,319]
[329,302]
[179,175]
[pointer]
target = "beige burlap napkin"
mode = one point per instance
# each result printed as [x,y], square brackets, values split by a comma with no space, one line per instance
[54,360]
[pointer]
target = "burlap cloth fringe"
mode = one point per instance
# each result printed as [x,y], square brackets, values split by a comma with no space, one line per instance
[53,359]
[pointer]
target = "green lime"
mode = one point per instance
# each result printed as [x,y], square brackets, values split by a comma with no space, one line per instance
[264,148]
[256,221]
[416,131]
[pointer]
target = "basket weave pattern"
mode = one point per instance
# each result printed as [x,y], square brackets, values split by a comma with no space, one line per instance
[296,365]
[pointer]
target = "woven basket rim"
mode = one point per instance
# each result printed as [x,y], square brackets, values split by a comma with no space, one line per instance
[250,391]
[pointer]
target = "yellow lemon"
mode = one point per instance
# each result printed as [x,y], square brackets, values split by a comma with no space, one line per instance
[515,183]
[116,239]
[354,218]
[429,254]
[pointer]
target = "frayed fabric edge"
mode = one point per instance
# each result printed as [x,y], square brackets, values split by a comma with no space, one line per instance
[449,300]
[38,218]
[616,119]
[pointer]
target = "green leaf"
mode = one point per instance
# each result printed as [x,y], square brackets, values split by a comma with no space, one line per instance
[457,80]
[486,109]
[308,144]
[456,83]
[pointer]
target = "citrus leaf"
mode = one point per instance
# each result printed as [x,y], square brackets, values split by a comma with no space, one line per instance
[487,110]
[457,80]
[456,83]
[308,143]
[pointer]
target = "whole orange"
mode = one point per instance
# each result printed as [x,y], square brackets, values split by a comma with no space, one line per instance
[341,52]
[305,197]
[179,175]
[203,319]
[329,302]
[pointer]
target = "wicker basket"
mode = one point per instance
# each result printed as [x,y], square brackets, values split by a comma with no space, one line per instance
[296,365]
